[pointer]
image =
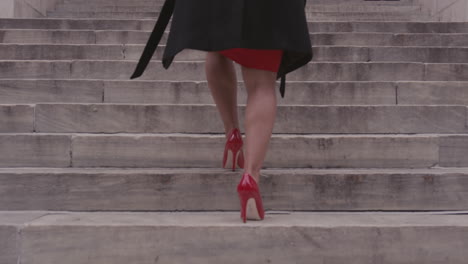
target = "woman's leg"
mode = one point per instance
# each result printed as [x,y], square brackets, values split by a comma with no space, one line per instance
[259,117]
[222,81]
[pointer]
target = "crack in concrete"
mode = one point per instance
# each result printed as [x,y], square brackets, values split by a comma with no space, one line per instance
[124,50]
[71,151]
[70,69]
[34,118]
[19,230]
[396,93]
[103,91]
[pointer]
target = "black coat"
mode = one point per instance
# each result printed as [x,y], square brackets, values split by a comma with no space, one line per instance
[213,25]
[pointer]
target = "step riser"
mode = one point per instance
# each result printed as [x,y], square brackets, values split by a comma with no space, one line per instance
[200,151]
[195,71]
[25,91]
[312,16]
[309,2]
[48,150]
[132,52]
[280,191]
[160,92]
[106,244]
[98,118]
[140,37]
[385,39]
[154,7]
[148,24]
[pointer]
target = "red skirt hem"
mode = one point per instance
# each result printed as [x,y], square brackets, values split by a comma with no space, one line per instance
[269,60]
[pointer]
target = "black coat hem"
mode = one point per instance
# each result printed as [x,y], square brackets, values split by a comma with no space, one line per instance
[295,35]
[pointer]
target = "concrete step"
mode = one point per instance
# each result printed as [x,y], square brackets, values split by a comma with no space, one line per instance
[198,237]
[309,2]
[18,91]
[348,2]
[321,53]
[293,119]
[114,2]
[144,150]
[314,12]
[148,24]
[103,7]
[373,16]
[383,39]
[103,14]
[44,36]
[311,16]
[77,24]
[194,71]
[155,7]
[107,189]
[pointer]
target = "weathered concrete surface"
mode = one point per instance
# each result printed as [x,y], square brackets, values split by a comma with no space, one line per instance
[145,6]
[10,225]
[314,93]
[447,72]
[342,11]
[17,91]
[453,10]
[285,151]
[432,93]
[196,150]
[315,26]
[281,238]
[195,71]
[193,189]
[453,151]
[8,245]
[35,69]
[388,39]
[16,118]
[26,8]
[310,15]
[321,53]
[299,93]
[33,150]
[59,36]
[294,119]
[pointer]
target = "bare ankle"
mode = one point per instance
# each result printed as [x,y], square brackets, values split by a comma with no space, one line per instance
[228,129]
[254,174]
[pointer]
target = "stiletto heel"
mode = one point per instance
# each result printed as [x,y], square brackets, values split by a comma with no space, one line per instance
[250,199]
[234,144]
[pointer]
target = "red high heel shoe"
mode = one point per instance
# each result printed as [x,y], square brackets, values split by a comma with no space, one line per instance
[234,144]
[251,201]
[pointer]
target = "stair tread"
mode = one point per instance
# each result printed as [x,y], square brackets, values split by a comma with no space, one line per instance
[231,219]
[218,135]
[269,171]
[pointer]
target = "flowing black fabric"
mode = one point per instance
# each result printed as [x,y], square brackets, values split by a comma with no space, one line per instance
[155,37]
[214,25]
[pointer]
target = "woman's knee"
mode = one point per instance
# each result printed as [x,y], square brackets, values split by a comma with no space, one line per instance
[258,80]
[215,60]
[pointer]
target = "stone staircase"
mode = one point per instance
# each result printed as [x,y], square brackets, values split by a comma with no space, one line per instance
[368,162]
[316,11]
